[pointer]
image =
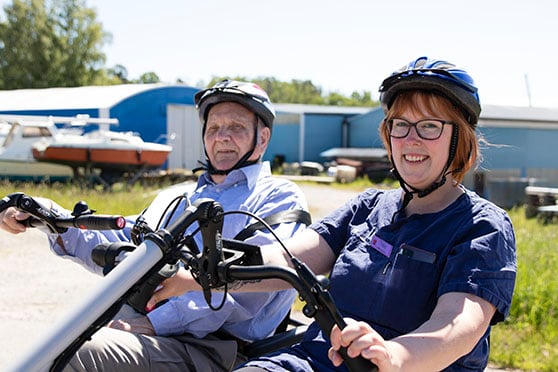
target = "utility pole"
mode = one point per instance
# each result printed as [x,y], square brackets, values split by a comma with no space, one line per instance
[528,89]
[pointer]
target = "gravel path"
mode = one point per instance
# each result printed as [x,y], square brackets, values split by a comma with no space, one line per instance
[38,288]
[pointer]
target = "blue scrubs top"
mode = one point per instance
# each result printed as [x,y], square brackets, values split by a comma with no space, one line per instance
[391,273]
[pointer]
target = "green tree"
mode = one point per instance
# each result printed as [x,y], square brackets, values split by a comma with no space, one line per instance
[149,78]
[118,73]
[304,92]
[54,43]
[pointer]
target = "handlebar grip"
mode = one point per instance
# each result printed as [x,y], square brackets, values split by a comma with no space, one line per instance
[97,222]
[32,222]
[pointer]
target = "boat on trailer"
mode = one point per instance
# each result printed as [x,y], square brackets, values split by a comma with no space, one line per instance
[16,157]
[103,154]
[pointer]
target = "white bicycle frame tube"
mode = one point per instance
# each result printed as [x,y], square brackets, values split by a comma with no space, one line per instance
[111,288]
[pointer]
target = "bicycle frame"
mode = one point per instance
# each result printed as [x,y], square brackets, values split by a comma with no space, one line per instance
[221,261]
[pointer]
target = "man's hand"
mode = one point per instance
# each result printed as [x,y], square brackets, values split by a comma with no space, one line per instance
[140,325]
[10,220]
[176,285]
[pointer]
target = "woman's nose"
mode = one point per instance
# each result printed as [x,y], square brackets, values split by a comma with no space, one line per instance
[413,134]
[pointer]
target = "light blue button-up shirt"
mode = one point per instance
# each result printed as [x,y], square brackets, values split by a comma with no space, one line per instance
[248,316]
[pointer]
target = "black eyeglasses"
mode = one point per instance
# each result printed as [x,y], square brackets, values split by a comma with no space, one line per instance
[428,129]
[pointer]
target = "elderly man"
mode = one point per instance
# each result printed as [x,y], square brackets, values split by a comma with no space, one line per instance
[237,121]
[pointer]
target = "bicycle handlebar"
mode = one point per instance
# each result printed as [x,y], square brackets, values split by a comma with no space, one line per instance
[220,262]
[313,290]
[82,217]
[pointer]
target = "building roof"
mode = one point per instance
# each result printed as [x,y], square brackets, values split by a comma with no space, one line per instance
[517,113]
[95,97]
[295,108]
[107,96]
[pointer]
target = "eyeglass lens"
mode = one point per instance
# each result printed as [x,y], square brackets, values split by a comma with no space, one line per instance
[429,129]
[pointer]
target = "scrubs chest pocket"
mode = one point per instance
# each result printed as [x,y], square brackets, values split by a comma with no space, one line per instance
[413,273]
[411,283]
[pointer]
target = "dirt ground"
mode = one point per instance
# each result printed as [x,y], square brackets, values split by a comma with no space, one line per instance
[39,288]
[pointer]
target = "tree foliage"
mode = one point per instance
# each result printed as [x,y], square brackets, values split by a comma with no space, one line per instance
[119,75]
[58,43]
[305,92]
[54,43]
[149,78]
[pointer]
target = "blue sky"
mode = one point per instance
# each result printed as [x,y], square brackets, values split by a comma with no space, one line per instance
[510,47]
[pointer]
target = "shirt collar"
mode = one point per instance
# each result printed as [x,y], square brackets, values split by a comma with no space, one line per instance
[251,174]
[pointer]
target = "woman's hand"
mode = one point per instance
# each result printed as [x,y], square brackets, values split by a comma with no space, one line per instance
[360,339]
[176,285]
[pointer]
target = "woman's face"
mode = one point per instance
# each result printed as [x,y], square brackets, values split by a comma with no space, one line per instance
[420,162]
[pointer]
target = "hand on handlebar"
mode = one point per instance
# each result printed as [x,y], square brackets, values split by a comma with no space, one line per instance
[360,339]
[45,213]
[11,220]
[180,283]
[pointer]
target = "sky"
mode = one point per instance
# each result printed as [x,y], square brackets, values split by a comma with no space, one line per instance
[510,47]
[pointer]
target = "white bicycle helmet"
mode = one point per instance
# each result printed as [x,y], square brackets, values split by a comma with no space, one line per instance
[249,95]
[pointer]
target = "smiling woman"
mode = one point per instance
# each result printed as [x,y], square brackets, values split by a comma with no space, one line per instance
[430,89]
[432,245]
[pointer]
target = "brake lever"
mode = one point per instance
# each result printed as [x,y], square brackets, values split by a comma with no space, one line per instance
[39,214]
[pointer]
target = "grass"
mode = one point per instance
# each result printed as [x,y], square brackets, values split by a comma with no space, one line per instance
[122,200]
[526,340]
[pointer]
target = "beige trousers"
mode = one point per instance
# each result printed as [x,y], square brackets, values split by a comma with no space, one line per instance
[114,350]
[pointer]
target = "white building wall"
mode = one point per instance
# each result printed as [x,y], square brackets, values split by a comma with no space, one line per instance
[185,135]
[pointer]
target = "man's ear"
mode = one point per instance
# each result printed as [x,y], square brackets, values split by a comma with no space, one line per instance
[265,135]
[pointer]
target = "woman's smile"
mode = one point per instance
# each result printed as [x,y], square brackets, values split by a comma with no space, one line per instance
[414,158]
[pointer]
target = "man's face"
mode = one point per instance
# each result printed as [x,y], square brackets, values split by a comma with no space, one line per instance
[229,134]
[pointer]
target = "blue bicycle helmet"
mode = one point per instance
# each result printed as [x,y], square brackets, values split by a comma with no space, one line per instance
[249,95]
[440,76]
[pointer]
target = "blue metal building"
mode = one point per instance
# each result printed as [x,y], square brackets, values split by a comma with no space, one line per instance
[302,132]
[138,107]
[166,113]
[519,150]
[522,138]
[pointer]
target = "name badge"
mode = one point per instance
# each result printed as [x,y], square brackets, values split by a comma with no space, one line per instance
[381,245]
